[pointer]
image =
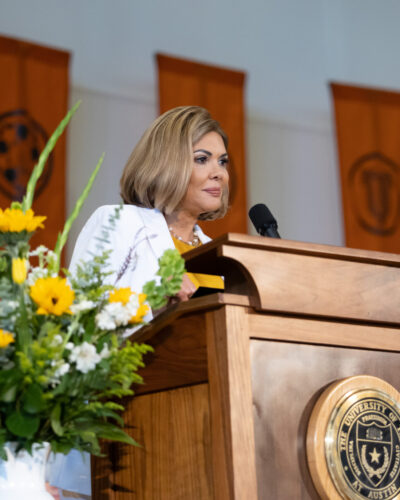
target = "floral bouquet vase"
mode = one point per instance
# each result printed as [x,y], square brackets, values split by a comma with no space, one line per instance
[65,359]
[22,475]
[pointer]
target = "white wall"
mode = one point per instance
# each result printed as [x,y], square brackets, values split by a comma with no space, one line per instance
[278,42]
[296,176]
[290,49]
[103,123]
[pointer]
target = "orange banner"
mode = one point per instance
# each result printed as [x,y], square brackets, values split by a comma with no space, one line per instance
[33,100]
[368,137]
[221,91]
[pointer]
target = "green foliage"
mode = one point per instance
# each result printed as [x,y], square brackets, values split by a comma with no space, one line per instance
[33,400]
[22,425]
[61,373]
[171,271]
[16,240]
[44,396]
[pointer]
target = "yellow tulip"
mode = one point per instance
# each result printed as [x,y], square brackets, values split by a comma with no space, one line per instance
[19,270]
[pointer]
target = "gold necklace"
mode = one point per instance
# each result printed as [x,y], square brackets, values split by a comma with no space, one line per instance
[194,242]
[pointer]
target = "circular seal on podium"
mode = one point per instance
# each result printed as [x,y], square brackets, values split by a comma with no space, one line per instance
[353,440]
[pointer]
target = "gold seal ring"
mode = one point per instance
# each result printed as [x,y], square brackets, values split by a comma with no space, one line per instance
[353,440]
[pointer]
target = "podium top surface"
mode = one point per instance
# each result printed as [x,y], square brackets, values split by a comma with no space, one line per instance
[309,279]
[291,246]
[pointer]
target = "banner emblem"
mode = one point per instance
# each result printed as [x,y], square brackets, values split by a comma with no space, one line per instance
[22,139]
[374,193]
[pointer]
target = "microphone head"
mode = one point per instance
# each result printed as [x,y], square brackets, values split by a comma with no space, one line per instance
[260,214]
[262,219]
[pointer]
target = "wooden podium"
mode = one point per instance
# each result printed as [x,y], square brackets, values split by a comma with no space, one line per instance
[230,387]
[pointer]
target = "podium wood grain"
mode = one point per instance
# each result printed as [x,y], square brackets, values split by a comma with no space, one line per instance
[231,403]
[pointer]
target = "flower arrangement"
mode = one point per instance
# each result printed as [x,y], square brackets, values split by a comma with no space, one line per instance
[64,358]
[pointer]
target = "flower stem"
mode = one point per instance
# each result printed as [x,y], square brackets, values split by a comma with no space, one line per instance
[62,237]
[24,338]
[38,169]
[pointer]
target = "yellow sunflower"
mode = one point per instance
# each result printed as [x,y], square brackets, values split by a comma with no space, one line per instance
[15,220]
[5,338]
[52,295]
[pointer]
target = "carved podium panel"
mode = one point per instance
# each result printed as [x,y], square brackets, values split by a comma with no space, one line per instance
[230,388]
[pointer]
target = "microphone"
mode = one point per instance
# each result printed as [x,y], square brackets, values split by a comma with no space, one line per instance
[264,222]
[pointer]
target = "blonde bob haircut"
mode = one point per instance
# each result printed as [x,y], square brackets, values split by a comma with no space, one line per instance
[158,171]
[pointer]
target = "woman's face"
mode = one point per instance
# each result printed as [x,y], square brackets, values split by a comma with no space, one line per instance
[209,176]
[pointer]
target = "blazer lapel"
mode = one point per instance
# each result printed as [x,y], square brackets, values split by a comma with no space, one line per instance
[156,230]
[203,237]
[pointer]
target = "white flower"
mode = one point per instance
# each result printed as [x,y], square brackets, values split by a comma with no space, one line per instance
[105,352]
[40,250]
[114,314]
[13,303]
[57,339]
[50,255]
[8,306]
[69,346]
[62,370]
[120,312]
[133,304]
[35,273]
[85,357]
[83,305]
[105,321]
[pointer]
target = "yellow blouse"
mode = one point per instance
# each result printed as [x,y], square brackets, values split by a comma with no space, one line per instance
[199,280]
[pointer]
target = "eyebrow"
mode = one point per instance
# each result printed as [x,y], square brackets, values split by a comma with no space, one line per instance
[203,151]
[208,153]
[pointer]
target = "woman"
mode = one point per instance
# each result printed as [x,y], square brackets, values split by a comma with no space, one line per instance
[176,175]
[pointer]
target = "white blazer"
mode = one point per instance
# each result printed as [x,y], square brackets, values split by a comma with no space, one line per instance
[140,238]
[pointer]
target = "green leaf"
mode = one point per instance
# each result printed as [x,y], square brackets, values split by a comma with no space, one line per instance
[90,328]
[89,437]
[58,447]
[55,420]
[114,433]
[22,425]
[24,338]
[33,401]
[9,395]
[104,412]
[3,264]
[3,436]
[105,430]
[9,380]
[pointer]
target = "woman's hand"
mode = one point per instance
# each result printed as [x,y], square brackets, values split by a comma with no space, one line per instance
[188,288]
[53,491]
